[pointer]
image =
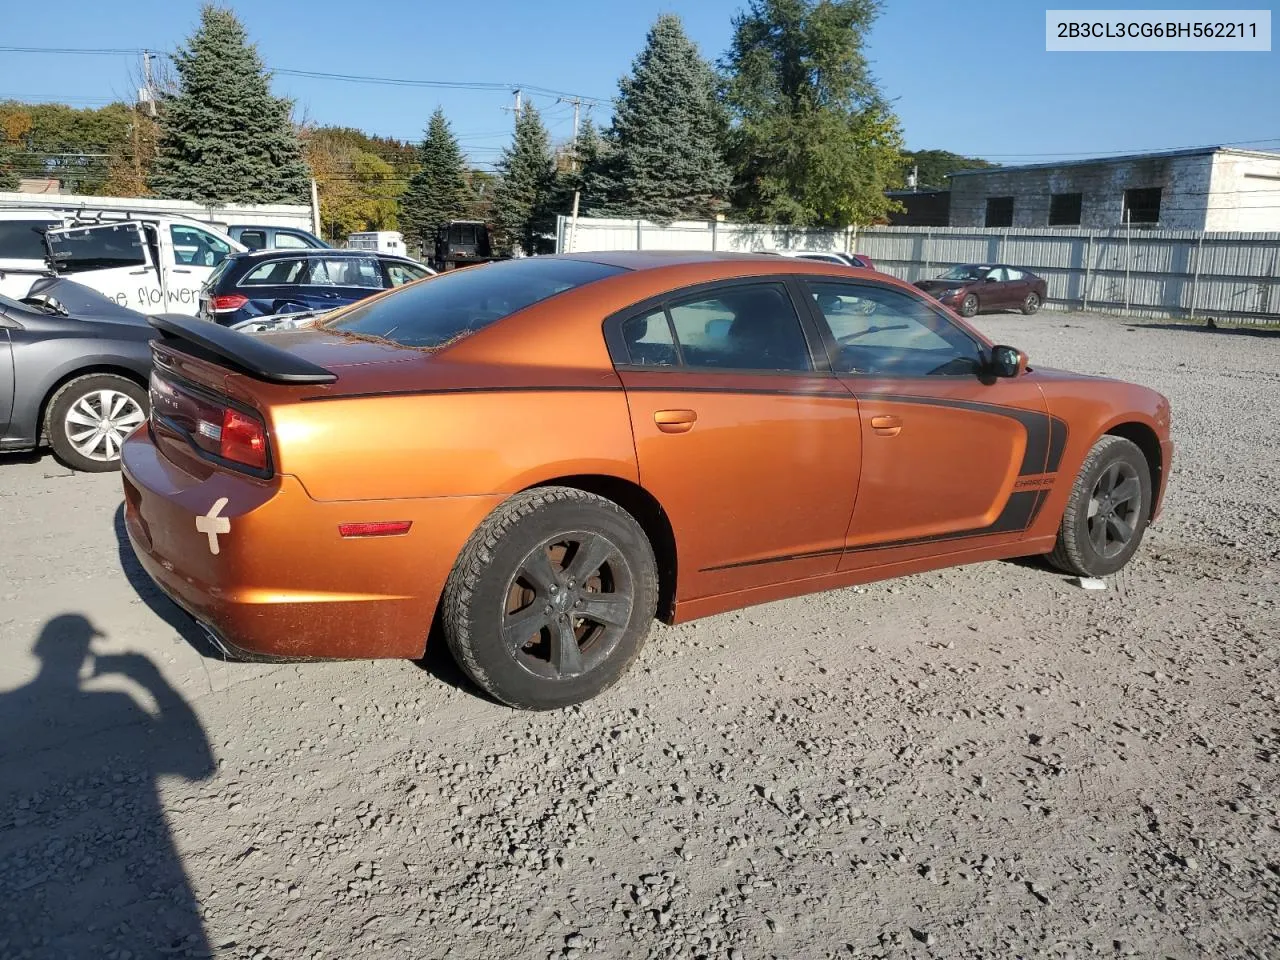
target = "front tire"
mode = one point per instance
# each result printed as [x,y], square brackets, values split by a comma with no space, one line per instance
[1108,511]
[969,305]
[89,417]
[551,599]
[1031,304]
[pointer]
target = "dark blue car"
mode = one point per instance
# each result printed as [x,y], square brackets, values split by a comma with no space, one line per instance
[265,283]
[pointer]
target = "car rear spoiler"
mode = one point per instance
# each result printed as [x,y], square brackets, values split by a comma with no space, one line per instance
[245,353]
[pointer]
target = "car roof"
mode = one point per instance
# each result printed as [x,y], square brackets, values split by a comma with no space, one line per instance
[293,253]
[654,259]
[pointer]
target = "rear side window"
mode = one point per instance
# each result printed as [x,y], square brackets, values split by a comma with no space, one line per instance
[253,239]
[459,302]
[23,239]
[275,272]
[752,327]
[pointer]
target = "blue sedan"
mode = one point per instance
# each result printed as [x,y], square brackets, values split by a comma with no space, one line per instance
[264,283]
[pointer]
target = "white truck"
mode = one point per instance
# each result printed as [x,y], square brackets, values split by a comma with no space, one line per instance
[149,262]
[383,241]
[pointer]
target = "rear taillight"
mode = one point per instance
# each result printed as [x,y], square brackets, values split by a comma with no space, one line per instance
[213,426]
[227,303]
[244,439]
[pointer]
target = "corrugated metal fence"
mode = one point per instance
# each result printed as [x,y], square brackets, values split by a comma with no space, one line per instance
[1155,273]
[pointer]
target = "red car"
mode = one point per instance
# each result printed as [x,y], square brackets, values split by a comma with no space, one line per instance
[972,287]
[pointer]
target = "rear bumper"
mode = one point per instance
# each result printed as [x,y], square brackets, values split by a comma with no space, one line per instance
[284,584]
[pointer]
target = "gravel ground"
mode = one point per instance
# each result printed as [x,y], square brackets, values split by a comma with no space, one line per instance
[986,761]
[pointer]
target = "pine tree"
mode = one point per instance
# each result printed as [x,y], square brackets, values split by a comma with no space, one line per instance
[524,203]
[438,192]
[8,168]
[667,131]
[224,137]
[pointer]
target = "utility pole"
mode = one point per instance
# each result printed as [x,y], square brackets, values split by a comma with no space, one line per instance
[573,166]
[147,95]
[518,104]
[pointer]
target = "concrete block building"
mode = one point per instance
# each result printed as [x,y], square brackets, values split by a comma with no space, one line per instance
[1211,188]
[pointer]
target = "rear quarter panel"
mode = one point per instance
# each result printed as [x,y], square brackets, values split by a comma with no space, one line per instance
[452,443]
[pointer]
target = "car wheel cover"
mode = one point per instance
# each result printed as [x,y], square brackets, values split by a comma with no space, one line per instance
[1115,506]
[1032,301]
[568,605]
[98,422]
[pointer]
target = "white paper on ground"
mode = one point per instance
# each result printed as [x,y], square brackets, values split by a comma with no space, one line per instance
[1091,583]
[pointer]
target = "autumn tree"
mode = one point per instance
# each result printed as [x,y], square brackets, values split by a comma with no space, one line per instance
[666,160]
[524,201]
[813,141]
[224,136]
[438,192]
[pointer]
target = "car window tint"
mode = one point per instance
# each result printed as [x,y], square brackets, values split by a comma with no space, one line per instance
[253,239]
[886,332]
[23,239]
[195,247]
[275,272]
[742,328]
[459,302]
[290,241]
[648,339]
[345,272]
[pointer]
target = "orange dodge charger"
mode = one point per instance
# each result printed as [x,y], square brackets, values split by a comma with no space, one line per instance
[540,456]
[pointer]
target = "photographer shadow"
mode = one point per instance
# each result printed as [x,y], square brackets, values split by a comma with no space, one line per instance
[88,867]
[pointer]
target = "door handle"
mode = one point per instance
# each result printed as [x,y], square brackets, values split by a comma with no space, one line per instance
[180,270]
[675,421]
[138,273]
[886,425]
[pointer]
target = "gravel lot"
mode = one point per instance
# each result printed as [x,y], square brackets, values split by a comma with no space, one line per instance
[986,761]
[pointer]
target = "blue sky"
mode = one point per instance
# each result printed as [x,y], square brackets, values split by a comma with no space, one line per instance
[973,78]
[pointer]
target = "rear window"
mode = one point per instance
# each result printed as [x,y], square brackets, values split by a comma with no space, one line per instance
[432,313]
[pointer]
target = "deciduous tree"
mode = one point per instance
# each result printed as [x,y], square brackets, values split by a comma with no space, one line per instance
[813,140]
[224,136]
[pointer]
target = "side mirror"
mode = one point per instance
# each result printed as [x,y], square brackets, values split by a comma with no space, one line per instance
[1008,361]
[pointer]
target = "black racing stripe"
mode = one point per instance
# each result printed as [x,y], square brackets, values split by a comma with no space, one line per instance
[1037,425]
[1058,433]
[447,390]
[1018,514]
[781,558]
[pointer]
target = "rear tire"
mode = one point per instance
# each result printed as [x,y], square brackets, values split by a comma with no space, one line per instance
[551,599]
[969,305]
[1108,511]
[88,418]
[1031,304]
